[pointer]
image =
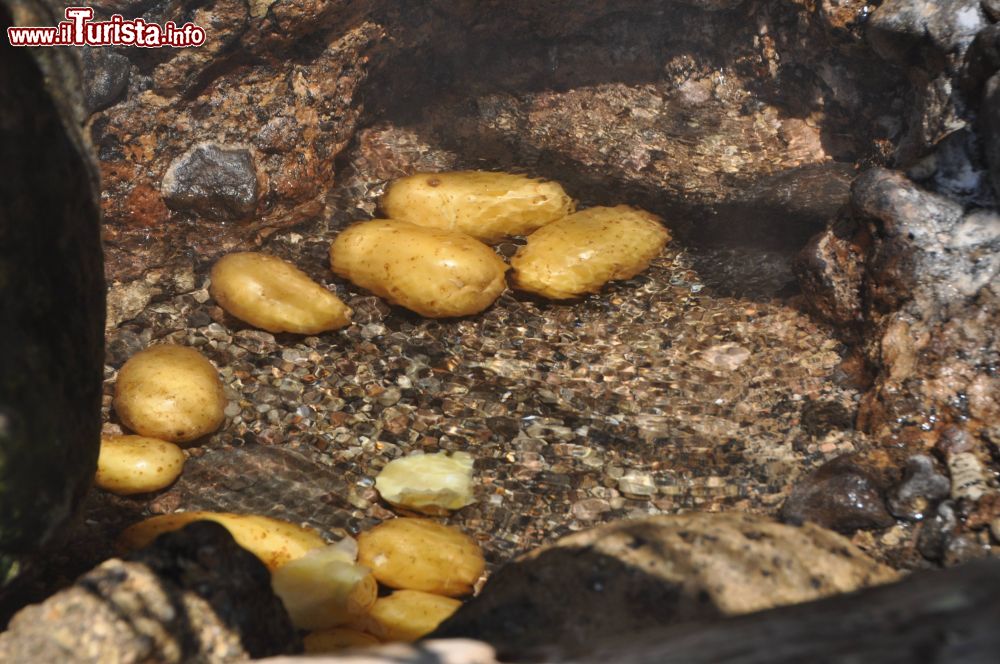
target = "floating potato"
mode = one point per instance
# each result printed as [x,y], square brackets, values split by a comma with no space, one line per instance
[428,483]
[337,638]
[419,554]
[324,588]
[171,393]
[436,273]
[488,206]
[274,295]
[407,615]
[580,253]
[274,541]
[136,464]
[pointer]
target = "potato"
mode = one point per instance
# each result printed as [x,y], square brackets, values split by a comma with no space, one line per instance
[436,273]
[428,483]
[337,638]
[274,541]
[170,392]
[419,554]
[135,464]
[407,615]
[273,295]
[580,253]
[487,206]
[324,588]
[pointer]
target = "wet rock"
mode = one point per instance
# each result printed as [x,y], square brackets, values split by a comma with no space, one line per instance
[920,491]
[214,181]
[630,575]
[51,293]
[830,269]
[841,495]
[901,29]
[938,532]
[105,77]
[193,595]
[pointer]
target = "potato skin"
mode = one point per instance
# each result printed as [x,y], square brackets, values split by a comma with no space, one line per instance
[407,615]
[436,273]
[170,392]
[274,541]
[580,253]
[487,206]
[420,554]
[274,295]
[136,464]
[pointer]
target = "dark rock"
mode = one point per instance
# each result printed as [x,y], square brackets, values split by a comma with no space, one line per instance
[192,596]
[992,9]
[938,532]
[51,292]
[105,77]
[214,181]
[981,61]
[204,559]
[830,269]
[840,495]
[920,491]
[630,575]
[990,119]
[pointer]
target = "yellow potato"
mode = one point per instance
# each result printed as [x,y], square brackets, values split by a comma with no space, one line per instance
[171,393]
[135,464]
[337,638]
[274,541]
[407,615]
[273,295]
[324,589]
[433,272]
[428,483]
[488,206]
[419,554]
[580,253]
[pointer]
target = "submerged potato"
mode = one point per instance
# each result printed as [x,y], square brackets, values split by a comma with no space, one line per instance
[171,393]
[136,464]
[407,615]
[428,483]
[580,253]
[337,638]
[273,295]
[433,272]
[488,206]
[419,554]
[274,541]
[324,588]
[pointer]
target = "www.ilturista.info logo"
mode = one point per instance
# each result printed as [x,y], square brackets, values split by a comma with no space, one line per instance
[79,30]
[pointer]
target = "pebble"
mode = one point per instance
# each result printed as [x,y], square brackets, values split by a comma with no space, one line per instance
[637,485]
[726,357]
[213,181]
[840,495]
[920,491]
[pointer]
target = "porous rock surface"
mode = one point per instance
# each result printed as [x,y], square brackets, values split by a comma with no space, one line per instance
[634,574]
[193,595]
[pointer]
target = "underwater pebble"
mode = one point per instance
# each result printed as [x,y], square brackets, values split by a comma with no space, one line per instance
[920,491]
[840,495]
[428,483]
[637,485]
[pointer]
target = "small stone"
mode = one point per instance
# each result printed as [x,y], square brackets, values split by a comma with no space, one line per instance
[920,491]
[213,181]
[725,357]
[390,397]
[637,485]
[105,77]
[840,495]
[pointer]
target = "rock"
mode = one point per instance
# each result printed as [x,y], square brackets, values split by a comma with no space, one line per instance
[214,181]
[830,270]
[841,495]
[51,293]
[920,491]
[938,532]
[630,575]
[901,29]
[105,77]
[193,595]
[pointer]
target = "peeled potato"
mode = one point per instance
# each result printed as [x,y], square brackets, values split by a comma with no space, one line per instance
[419,554]
[407,615]
[580,253]
[436,273]
[487,206]
[273,295]
[428,483]
[323,589]
[337,638]
[136,464]
[170,392]
[274,541]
